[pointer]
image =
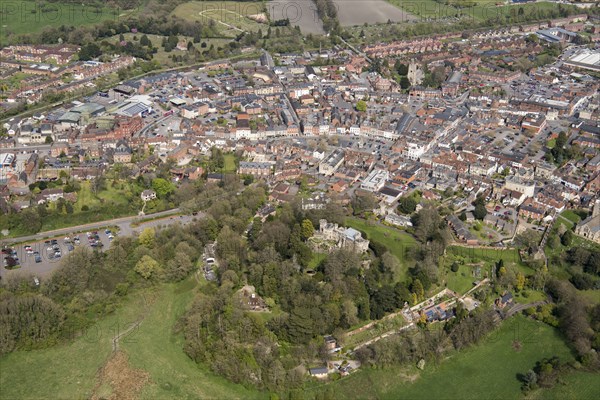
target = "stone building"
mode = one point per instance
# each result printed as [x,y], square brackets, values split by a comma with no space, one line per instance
[589,228]
[345,238]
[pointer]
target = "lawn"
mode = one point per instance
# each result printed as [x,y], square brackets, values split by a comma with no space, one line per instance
[480,11]
[231,17]
[462,280]
[229,163]
[316,259]
[112,202]
[69,371]
[571,216]
[155,349]
[593,295]
[486,371]
[29,16]
[397,242]
[577,385]
[490,256]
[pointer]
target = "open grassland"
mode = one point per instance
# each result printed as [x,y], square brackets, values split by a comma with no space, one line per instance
[358,12]
[29,16]
[66,371]
[70,371]
[157,350]
[397,242]
[476,10]
[230,17]
[575,386]
[486,371]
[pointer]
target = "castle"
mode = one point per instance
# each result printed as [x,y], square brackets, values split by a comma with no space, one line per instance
[345,238]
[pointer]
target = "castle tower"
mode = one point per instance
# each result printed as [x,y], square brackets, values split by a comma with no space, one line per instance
[596,210]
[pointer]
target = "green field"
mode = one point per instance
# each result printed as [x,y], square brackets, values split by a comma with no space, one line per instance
[576,386]
[462,280]
[486,371]
[229,163]
[316,259]
[490,256]
[397,242]
[69,371]
[230,16]
[476,10]
[29,16]
[156,350]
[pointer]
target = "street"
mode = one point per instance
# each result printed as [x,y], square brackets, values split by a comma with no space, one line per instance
[48,262]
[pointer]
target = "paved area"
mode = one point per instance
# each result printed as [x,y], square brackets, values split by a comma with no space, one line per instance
[44,250]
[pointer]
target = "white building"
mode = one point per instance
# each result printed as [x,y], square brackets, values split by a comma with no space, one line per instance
[375,180]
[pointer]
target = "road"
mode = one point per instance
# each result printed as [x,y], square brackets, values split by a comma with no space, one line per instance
[123,223]
[48,263]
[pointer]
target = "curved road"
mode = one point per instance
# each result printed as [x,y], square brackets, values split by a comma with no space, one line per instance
[123,223]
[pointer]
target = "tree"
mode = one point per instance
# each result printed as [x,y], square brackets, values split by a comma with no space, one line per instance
[361,106]
[407,204]
[404,82]
[144,41]
[147,267]
[417,289]
[567,238]
[363,202]
[307,229]
[89,51]
[480,211]
[520,281]
[162,187]
[147,237]
[30,220]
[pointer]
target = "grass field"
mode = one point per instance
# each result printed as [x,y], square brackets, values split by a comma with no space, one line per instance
[231,17]
[487,371]
[29,16]
[397,242]
[155,349]
[229,163]
[480,10]
[490,256]
[69,371]
[577,386]
[316,260]
[462,280]
[66,371]
[113,202]
[593,295]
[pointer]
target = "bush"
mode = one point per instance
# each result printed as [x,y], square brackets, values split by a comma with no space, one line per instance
[454,267]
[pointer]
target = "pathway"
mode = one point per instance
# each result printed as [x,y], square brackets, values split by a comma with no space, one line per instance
[520,307]
[201,13]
